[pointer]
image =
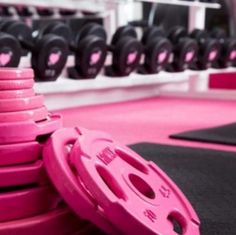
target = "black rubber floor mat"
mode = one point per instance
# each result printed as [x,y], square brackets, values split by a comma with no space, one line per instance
[207,177]
[225,134]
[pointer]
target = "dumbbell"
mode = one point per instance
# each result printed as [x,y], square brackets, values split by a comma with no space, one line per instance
[10,51]
[24,11]
[126,52]
[157,50]
[48,51]
[184,49]
[67,12]
[90,51]
[208,52]
[44,11]
[227,55]
[5,11]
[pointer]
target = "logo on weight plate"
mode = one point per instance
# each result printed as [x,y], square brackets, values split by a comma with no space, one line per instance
[131,57]
[212,55]
[5,58]
[95,57]
[150,215]
[165,192]
[106,156]
[161,57]
[232,55]
[54,57]
[189,56]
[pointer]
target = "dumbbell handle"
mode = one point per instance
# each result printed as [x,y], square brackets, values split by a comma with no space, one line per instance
[110,47]
[26,44]
[72,46]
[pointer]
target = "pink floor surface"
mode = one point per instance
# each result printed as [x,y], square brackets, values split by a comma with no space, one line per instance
[153,120]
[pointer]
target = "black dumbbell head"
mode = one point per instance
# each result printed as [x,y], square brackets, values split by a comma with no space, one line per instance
[126,55]
[185,53]
[228,47]
[209,50]
[123,31]
[10,51]
[18,29]
[57,28]
[176,33]
[157,54]
[218,33]
[150,33]
[91,50]
[199,35]
[24,11]
[44,11]
[50,57]
[91,29]
[90,56]
[227,53]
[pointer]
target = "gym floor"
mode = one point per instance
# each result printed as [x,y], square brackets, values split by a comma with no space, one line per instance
[153,120]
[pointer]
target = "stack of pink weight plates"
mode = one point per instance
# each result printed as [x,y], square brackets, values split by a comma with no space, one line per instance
[29,204]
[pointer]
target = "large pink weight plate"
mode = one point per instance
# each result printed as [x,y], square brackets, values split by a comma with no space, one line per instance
[55,153]
[21,153]
[60,221]
[16,94]
[26,115]
[20,204]
[16,84]
[136,195]
[16,132]
[16,73]
[21,175]
[29,103]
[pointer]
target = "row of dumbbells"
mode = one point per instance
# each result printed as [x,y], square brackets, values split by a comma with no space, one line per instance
[24,11]
[156,51]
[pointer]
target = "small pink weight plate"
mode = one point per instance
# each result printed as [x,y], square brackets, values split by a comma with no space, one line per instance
[55,153]
[136,195]
[21,153]
[21,175]
[28,202]
[26,115]
[60,221]
[17,132]
[11,105]
[15,94]
[16,73]
[16,84]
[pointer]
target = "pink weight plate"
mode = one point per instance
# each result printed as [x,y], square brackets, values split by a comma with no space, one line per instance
[20,175]
[24,203]
[55,153]
[11,105]
[17,132]
[16,94]
[16,84]
[135,195]
[21,153]
[26,115]
[16,73]
[60,221]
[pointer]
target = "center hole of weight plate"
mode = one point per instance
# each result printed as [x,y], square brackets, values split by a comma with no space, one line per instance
[143,187]
[178,223]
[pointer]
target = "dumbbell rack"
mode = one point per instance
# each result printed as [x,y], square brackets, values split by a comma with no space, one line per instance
[104,89]
[63,4]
